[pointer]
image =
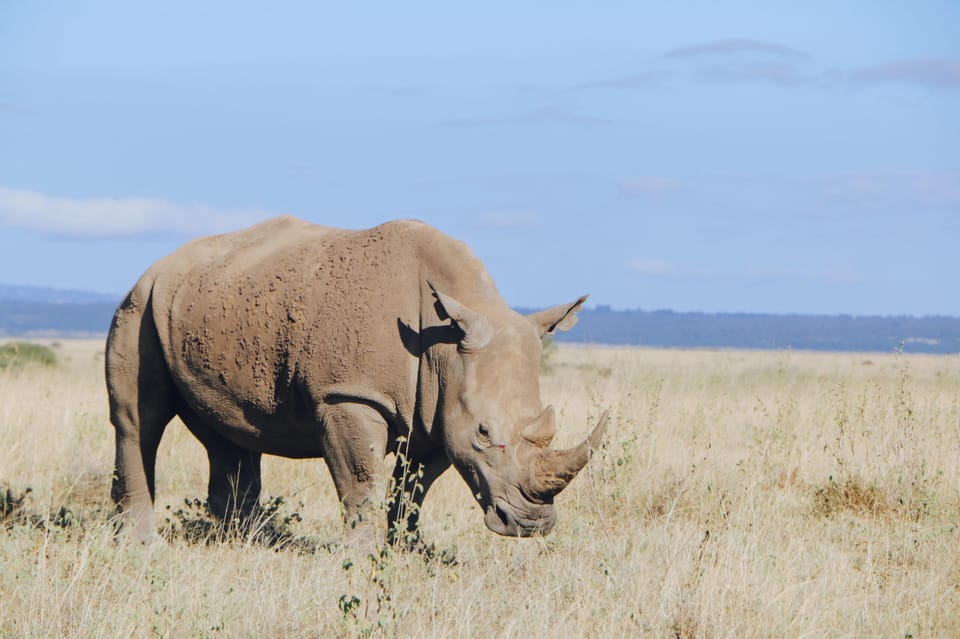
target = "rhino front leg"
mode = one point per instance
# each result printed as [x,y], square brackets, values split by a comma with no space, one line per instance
[412,479]
[354,445]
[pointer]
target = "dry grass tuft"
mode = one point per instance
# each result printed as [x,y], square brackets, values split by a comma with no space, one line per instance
[854,496]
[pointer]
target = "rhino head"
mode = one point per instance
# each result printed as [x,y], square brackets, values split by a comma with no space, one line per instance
[496,430]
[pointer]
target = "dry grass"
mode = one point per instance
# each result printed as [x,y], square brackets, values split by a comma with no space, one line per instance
[739,494]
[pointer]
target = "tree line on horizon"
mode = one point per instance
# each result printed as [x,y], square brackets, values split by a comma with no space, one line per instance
[603,325]
[671,329]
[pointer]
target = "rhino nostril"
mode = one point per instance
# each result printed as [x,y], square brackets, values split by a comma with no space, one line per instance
[502,514]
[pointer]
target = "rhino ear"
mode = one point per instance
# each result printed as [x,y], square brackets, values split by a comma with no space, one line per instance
[477,331]
[562,317]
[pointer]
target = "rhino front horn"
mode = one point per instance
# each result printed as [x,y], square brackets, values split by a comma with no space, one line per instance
[554,469]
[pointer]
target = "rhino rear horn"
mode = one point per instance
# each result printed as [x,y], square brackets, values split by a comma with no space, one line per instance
[554,469]
[541,431]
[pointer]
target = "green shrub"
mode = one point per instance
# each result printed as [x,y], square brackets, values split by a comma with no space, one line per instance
[19,354]
[549,349]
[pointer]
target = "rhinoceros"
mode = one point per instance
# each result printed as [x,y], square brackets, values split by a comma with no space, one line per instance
[299,340]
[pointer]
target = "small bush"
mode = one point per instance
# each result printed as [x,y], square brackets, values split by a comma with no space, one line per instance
[268,526]
[20,354]
[12,505]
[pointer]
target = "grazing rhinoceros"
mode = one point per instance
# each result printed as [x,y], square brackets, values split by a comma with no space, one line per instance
[299,340]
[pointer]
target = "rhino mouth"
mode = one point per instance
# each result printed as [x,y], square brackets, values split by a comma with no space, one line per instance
[504,519]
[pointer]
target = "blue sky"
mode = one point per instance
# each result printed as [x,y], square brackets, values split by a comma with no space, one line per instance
[734,156]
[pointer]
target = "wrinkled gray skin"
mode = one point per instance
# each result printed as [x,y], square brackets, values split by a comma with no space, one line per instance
[294,339]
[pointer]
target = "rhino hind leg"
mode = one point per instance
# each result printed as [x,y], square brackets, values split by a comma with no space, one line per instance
[354,445]
[143,400]
[233,491]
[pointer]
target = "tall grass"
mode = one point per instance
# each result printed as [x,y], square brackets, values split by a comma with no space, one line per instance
[738,494]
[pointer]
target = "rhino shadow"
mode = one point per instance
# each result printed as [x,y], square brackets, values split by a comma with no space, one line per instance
[417,343]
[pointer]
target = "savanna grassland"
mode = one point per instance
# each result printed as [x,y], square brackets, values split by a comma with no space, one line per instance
[739,494]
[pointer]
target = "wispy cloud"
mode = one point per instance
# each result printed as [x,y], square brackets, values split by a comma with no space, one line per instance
[754,61]
[539,116]
[648,185]
[904,192]
[508,220]
[740,61]
[720,61]
[782,73]
[104,216]
[934,73]
[762,276]
[656,268]
[735,47]
[837,275]
[642,79]
[779,276]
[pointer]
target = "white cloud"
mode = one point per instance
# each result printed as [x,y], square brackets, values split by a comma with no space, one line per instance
[511,220]
[105,216]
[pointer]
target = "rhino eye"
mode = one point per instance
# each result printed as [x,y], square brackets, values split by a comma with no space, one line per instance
[483,434]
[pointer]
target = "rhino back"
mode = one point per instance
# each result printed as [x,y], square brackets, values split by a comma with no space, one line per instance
[261,327]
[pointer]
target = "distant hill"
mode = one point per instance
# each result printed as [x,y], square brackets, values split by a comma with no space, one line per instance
[54,295]
[30,311]
[40,311]
[669,329]
[21,318]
